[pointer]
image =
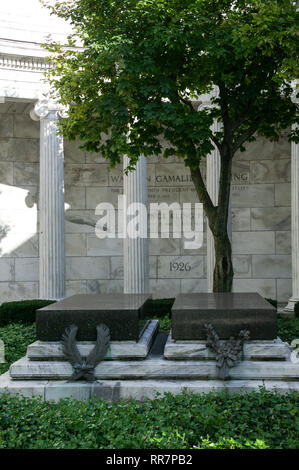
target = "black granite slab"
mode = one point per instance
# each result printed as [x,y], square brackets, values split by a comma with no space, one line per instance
[120,312]
[228,313]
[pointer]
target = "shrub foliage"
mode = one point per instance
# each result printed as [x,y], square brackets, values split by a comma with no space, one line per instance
[22,311]
[16,338]
[257,420]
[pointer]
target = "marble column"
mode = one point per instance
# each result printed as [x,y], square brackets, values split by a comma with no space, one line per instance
[136,260]
[289,309]
[51,202]
[213,175]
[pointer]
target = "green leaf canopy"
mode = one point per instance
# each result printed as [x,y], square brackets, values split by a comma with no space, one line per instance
[136,82]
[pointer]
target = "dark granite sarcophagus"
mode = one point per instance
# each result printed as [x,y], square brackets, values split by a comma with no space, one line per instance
[120,312]
[228,313]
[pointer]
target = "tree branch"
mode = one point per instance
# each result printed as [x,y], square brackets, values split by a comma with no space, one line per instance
[183,100]
[189,104]
[227,124]
[242,118]
[248,133]
[238,122]
[216,142]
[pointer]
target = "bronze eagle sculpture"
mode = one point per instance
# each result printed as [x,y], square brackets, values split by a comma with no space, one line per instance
[84,368]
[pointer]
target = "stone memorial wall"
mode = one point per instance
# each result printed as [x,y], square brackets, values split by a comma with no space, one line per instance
[261,217]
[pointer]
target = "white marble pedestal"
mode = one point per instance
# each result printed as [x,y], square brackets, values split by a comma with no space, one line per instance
[131,371]
[272,350]
[118,350]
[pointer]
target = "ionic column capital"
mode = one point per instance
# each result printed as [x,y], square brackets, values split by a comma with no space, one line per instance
[47,108]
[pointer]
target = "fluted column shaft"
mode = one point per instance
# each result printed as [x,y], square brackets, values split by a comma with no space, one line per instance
[295,229]
[51,201]
[136,260]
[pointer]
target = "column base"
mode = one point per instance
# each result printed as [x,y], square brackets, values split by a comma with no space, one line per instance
[51,297]
[289,309]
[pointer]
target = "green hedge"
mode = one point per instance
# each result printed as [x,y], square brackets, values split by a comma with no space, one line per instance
[16,337]
[272,302]
[22,311]
[160,307]
[215,420]
[288,328]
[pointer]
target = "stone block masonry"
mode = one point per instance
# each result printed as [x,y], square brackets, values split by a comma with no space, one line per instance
[261,218]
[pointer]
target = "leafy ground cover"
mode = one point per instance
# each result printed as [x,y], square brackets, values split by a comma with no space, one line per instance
[16,337]
[257,420]
[288,328]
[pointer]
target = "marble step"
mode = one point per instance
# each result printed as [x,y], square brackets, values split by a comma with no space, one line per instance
[157,368]
[274,350]
[134,389]
[52,350]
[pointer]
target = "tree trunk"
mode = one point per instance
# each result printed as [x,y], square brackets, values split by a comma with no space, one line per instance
[223,272]
[217,218]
